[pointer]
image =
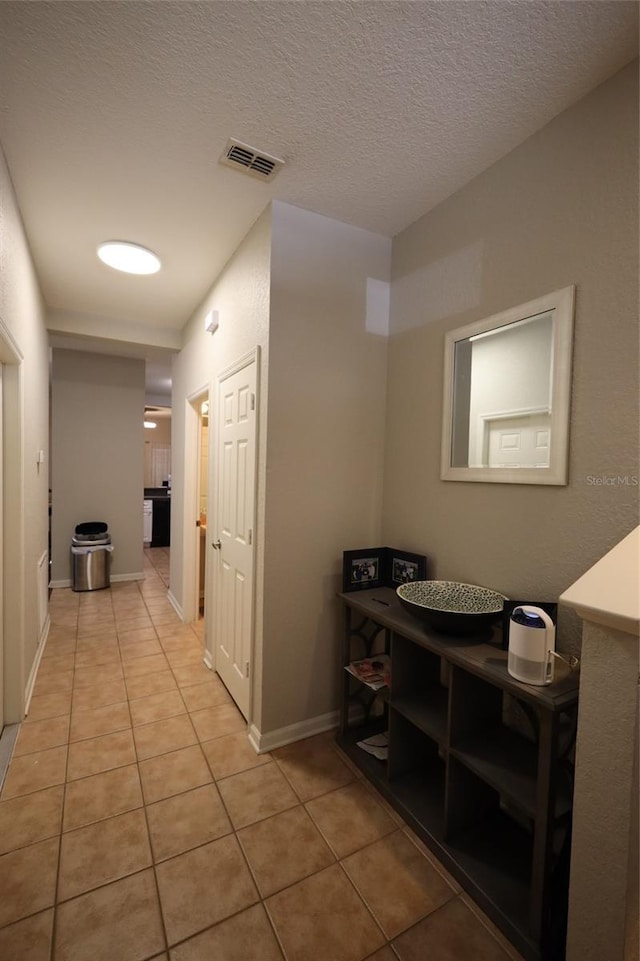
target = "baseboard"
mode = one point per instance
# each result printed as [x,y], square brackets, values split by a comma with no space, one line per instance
[262,743]
[208,659]
[114,578]
[33,673]
[8,739]
[175,605]
[44,633]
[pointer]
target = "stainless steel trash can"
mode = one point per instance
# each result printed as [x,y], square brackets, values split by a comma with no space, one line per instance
[91,567]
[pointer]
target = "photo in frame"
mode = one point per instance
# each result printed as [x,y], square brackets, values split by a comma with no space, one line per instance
[550,607]
[404,567]
[381,567]
[363,569]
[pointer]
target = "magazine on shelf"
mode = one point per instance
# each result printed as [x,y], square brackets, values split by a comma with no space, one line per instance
[373,671]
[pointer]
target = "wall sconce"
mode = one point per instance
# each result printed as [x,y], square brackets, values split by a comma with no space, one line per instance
[211,322]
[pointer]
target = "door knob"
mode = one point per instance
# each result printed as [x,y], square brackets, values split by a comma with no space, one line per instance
[216,544]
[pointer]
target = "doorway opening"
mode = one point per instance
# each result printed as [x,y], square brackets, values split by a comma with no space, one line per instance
[203,504]
[196,506]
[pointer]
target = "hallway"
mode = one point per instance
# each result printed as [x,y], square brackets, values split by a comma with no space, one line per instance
[158,559]
[137,823]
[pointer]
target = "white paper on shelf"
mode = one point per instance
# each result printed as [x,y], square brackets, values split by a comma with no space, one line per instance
[378,745]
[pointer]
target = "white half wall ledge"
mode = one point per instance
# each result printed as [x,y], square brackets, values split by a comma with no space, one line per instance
[609,593]
[603,891]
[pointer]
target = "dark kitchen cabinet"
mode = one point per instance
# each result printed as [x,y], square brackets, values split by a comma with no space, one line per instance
[161,528]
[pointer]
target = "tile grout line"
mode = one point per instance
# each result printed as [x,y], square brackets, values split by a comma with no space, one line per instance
[188,713]
[338,860]
[235,832]
[64,786]
[54,924]
[145,813]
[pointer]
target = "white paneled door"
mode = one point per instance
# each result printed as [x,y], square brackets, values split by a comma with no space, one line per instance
[234,529]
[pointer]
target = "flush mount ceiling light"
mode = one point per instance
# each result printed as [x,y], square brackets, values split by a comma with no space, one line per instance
[130,258]
[150,424]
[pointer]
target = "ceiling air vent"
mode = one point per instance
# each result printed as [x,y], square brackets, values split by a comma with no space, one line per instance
[250,161]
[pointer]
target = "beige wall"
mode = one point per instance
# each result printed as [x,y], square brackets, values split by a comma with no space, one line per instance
[241,296]
[327,370]
[97,443]
[22,320]
[561,209]
[297,288]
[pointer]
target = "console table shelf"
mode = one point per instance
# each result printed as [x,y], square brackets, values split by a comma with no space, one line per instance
[477,763]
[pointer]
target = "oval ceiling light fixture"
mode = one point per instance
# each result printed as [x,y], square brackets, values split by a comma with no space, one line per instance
[150,424]
[130,258]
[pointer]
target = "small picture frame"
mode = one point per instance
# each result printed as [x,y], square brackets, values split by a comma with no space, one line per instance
[550,607]
[363,569]
[380,567]
[403,567]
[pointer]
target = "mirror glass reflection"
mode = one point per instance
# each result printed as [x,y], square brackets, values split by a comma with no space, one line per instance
[507,388]
[504,421]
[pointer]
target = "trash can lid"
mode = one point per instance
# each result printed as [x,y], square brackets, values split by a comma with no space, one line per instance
[92,527]
[88,539]
[90,548]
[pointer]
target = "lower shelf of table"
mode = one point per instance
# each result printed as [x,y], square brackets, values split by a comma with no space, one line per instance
[374,769]
[492,862]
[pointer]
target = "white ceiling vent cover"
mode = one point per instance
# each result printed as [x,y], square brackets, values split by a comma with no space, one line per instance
[250,161]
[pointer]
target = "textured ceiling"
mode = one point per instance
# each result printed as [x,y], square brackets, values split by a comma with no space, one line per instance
[113,116]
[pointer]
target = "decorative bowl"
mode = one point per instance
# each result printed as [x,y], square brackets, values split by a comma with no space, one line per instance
[452,608]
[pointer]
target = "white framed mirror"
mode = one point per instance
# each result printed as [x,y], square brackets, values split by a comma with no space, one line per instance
[507,392]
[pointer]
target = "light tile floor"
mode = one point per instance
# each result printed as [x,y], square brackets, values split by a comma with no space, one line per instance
[137,823]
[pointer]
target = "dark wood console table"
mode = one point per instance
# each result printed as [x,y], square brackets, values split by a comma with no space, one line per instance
[479,764]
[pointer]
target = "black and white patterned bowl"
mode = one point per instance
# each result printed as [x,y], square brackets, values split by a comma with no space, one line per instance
[452,608]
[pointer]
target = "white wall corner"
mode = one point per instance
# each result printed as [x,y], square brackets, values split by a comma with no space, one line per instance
[175,606]
[262,743]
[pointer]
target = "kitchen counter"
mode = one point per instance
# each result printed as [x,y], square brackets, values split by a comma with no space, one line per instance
[156,493]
